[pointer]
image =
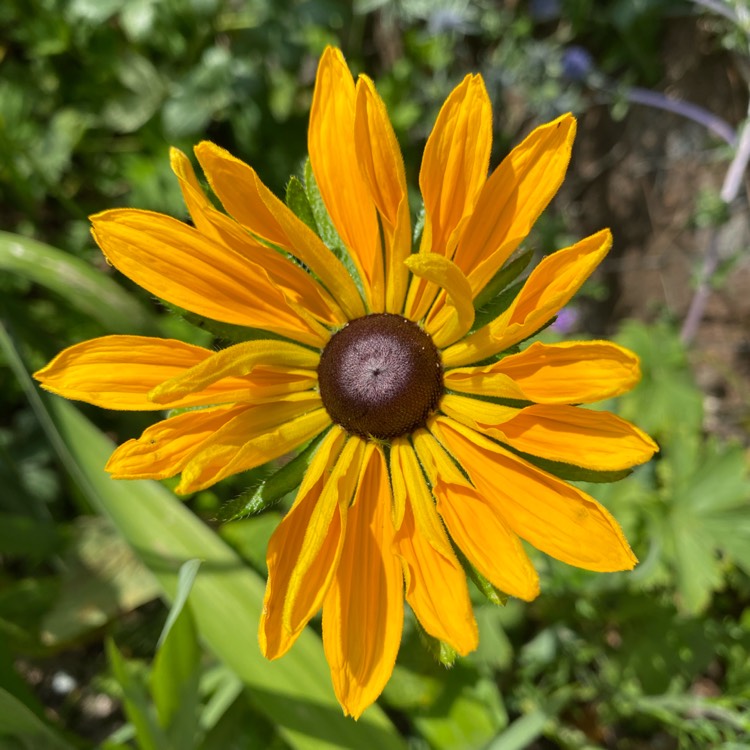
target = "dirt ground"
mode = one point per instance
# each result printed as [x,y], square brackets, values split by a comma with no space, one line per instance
[642,177]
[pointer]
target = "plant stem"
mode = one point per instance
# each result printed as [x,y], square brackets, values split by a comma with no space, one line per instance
[729,191]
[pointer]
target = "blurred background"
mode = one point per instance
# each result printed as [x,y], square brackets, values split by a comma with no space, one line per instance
[93,93]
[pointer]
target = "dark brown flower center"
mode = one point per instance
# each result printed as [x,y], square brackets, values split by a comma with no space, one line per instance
[380,376]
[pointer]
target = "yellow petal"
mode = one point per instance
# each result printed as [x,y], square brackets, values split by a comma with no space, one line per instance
[435,580]
[317,562]
[296,283]
[454,170]
[473,411]
[457,314]
[554,516]
[251,203]
[455,162]
[406,473]
[286,543]
[260,434]
[164,449]
[382,167]
[178,264]
[475,525]
[513,198]
[334,159]
[570,372]
[597,440]
[363,611]
[234,361]
[117,372]
[549,287]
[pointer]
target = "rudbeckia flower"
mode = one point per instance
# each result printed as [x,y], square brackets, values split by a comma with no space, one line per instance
[431,423]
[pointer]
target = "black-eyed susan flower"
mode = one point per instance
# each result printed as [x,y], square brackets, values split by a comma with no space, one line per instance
[428,421]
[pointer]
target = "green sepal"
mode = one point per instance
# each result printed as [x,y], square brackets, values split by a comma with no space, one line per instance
[505,276]
[487,589]
[298,201]
[571,472]
[272,488]
[227,331]
[497,306]
[324,227]
[439,650]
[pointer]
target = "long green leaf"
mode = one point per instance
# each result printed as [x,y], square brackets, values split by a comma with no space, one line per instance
[226,599]
[88,290]
[17,720]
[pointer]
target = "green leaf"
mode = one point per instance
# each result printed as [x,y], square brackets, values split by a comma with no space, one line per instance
[81,285]
[175,678]
[146,89]
[522,732]
[185,580]
[706,487]
[203,92]
[250,537]
[666,399]
[53,154]
[17,720]
[227,597]
[138,707]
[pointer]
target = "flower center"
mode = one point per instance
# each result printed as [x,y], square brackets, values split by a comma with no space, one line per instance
[380,376]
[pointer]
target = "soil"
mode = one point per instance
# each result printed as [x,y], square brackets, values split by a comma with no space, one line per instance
[642,177]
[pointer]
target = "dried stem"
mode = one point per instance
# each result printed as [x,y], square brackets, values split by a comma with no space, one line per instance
[730,189]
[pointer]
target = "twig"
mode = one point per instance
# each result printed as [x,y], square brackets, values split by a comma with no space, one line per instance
[693,112]
[730,189]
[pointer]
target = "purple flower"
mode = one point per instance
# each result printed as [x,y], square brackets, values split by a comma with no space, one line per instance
[566,321]
[544,10]
[577,63]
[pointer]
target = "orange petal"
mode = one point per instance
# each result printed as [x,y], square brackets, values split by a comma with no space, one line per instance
[334,159]
[164,449]
[475,525]
[260,434]
[597,440]
[570,372]
[178,264]
[549,287]
[454,170]
[286,543]
[513,198]
[117,372]
[318,558]
[363,611]
[435,580]
[456,314]
[250,202]
[382,167]
[297,284]
[240,359]
[554,516]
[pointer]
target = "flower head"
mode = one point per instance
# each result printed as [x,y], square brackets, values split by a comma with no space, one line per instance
[431,421]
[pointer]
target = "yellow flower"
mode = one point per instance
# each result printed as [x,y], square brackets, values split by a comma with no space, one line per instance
[422,420]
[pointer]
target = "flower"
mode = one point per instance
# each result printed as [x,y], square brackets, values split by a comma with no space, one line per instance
[429,425]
